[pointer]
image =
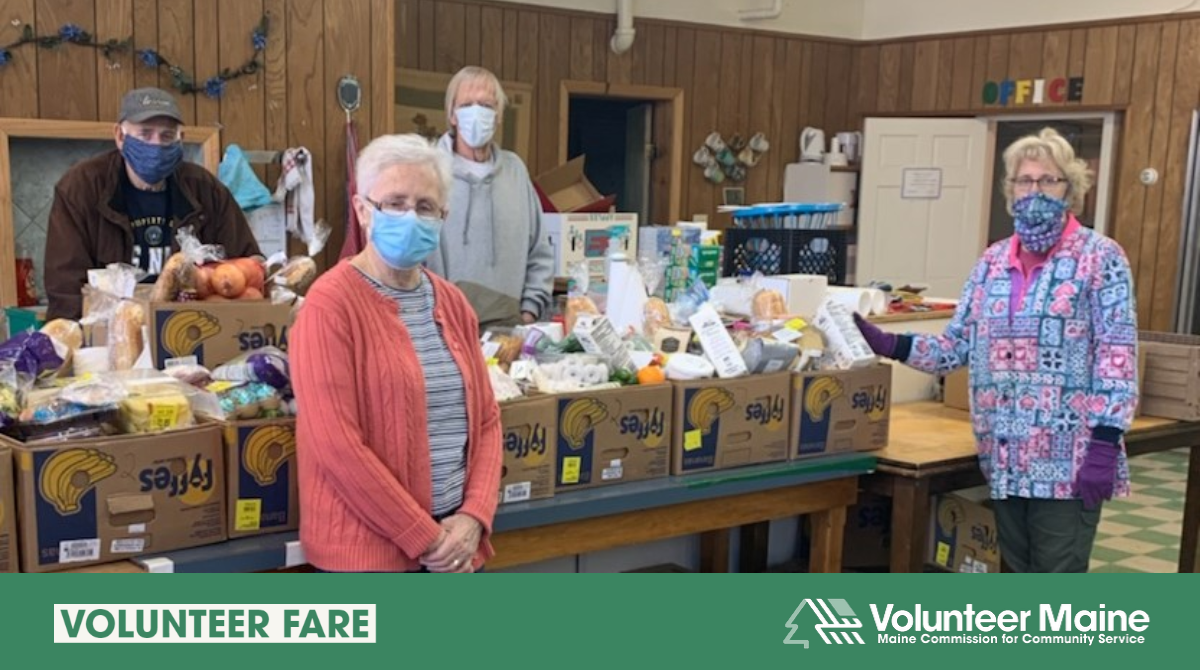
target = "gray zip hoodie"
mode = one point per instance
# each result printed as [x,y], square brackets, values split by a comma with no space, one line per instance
[493,246]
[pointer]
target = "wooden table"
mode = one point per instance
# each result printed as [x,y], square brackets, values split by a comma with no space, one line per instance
[931,450]
[709,504]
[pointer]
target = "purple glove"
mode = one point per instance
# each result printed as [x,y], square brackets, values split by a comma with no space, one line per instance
[1098,474]
[883,344]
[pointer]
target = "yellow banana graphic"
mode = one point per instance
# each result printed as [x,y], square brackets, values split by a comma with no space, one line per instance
[706,406]
[820,395]
[265,450]
[579,418]
[68,475]
[186,329]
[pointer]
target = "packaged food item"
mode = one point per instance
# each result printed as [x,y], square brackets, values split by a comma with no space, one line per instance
[156,408]
[187,371]
[718,345]
[96,391]
[68,332]
[657,316]
[688,367]
[503,386]
[266,366]
[768,305]
[33,355]
[249,401]
[847,348]
[766,356]
[599,338]
[296,275]
[125,335]
[11,394]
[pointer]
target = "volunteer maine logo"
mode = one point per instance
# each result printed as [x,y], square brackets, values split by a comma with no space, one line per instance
[841,618]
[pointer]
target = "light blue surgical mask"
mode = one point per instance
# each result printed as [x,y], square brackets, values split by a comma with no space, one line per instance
[404,240]
[476,125]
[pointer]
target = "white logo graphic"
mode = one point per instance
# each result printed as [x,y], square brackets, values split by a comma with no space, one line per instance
[845,620]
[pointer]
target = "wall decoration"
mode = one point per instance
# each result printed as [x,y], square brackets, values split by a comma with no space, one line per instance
[1033,91]
[184,82]
[732,159]
[734,197]
[421,108]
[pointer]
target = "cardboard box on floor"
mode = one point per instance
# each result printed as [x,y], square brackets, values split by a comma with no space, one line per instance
[726,423]
[613,436]
[260,463]
[838,411]
[214,332]
[962,532]
[530,440]
[8,514]
[868,535]
[106,499]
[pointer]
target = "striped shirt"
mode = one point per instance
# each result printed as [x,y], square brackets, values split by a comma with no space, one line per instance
[444,394]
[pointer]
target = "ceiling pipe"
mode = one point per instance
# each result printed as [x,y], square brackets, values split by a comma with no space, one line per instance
[763,14]
[622,38]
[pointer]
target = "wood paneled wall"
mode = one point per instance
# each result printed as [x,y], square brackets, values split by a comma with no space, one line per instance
[1148,68]
[290,103]
[734,81]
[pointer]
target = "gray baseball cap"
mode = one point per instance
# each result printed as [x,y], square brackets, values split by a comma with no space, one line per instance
[142,104]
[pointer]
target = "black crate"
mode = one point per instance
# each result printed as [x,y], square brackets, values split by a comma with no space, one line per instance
[783,252]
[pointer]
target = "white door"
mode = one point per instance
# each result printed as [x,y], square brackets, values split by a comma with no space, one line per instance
[922,202]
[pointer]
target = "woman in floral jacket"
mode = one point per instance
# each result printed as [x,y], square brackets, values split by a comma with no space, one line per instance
[1048,326]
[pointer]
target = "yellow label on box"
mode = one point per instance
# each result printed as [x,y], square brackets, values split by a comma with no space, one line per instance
[249,514]
[943,554]
[164,417]
[693,440]
[571,466]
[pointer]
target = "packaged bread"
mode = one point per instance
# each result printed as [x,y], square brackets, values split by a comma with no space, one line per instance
[576,307]
[125,335]
[769,305]
[297,274]
[656,316]
[156,408]
[176,281]
[65,331]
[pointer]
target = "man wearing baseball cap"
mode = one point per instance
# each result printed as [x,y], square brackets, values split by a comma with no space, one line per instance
[125,205]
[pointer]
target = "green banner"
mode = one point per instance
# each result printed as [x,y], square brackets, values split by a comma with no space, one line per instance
[532,621]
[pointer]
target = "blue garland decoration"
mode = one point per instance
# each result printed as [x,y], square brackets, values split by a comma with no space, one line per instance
[184,82]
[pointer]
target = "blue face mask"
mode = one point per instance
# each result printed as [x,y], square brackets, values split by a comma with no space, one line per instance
[405,240]
[1039,221]
[151,162]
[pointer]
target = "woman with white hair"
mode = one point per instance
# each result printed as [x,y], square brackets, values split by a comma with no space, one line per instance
[1048,328]
[398,438]
[493,246]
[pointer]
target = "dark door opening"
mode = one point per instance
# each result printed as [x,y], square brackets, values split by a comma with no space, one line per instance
[617,136]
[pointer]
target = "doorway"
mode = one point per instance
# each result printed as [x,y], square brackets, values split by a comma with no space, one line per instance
[617,136]
[632,136]
[1094,139]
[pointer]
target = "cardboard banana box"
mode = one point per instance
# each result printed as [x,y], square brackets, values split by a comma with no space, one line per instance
[260,462]
[8,514]
[530,443]
[726,423]
[613,436]
[838,411]
[107,499]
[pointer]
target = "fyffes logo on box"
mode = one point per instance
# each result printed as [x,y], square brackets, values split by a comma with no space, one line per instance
[68,475]
[189,480]
[267,335]
[649,426]
[527,442]
[181,333]
[769,411]
[265,450]
[871,400]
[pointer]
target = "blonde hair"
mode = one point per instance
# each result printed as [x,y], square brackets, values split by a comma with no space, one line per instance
[1050,147]
[390,150]
[473,73]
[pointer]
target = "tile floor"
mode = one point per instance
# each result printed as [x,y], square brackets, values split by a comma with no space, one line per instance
[1141,533]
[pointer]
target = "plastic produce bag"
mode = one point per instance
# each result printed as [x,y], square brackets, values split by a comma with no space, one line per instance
[265,366]
[32,354]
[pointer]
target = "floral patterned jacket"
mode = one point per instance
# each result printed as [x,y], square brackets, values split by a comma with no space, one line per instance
[1052,356]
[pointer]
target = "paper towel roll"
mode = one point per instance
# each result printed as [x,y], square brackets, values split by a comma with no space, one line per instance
[865,301]
[854,299]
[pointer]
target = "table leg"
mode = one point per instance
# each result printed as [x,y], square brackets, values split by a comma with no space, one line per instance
[828,527]
[714,551]
[910,521]
[1189,547]
[755,547]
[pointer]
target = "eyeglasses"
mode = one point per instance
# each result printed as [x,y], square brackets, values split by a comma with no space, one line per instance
[1046,182]
[424,209]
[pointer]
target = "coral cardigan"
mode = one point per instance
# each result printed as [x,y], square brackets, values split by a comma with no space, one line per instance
[362,446]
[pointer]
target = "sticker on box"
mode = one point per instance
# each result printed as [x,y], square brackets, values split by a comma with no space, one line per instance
[129,545]
[518,492]
[249,514]
[79,551]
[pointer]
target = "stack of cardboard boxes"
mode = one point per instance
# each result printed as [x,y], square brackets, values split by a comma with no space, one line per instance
[8,514]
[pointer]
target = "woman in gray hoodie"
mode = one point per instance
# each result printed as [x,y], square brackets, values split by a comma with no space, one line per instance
[493,246]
